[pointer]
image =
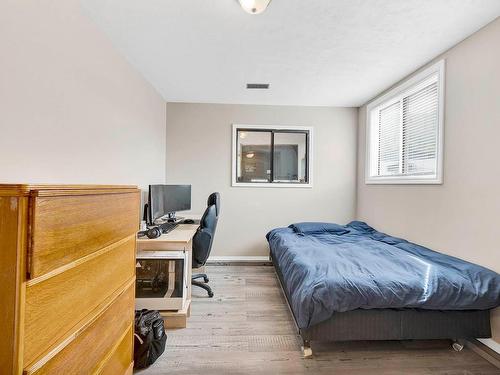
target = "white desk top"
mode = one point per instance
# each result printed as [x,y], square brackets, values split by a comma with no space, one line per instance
[183,233]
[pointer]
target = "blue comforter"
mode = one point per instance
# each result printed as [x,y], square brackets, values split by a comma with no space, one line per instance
[333,271]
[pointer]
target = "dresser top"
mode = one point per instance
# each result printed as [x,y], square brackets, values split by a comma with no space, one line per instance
[62,189]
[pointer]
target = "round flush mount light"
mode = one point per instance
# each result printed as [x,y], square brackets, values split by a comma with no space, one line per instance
[254,6]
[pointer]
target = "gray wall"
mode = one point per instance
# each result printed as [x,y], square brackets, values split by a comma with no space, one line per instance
[461,217]
[199,153]
[72,110]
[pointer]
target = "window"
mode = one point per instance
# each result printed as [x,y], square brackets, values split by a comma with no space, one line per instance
[405,131]
[271,156]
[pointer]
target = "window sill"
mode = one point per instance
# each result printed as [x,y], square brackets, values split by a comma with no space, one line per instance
[270,185]
[409,180]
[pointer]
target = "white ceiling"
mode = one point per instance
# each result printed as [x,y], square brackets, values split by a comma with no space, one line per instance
[316,52]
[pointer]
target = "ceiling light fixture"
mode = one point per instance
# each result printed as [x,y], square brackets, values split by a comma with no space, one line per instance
[254,6]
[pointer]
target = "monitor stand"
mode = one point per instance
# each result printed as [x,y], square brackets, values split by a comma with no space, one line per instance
[171,218]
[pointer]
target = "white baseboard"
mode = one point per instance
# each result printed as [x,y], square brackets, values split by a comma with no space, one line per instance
[237,258]
[492,344]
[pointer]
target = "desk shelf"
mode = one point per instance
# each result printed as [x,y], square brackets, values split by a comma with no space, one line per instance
[181,238]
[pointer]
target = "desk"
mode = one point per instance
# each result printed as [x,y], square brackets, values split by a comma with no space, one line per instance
[181,238]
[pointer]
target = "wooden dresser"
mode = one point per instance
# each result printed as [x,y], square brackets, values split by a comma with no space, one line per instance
[67,273]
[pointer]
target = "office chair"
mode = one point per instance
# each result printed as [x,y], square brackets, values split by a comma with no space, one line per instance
[203,239]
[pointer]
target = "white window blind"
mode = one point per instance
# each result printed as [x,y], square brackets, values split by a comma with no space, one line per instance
[420,131]
[404,133]
[389,133]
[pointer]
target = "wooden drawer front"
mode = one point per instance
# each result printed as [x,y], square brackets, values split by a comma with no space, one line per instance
[66,228]
[93,348]
[57,304]
[122,357]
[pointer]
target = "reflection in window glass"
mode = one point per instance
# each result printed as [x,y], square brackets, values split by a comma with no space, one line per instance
[271,156]
[254,156]
[289,157]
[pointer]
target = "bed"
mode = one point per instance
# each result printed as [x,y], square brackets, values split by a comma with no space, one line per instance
[351,282]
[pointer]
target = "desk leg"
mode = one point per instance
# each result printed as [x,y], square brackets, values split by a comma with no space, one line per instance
[189,249]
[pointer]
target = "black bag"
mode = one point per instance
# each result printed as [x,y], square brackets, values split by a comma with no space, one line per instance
[149,337]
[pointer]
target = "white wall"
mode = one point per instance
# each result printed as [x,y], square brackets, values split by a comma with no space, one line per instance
[461,217]
[72,110]
[199,153]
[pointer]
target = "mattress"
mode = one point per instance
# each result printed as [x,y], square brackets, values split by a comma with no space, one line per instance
[325,272]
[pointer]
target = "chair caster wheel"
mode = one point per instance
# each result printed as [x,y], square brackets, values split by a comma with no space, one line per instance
[307,352]
[210,294]
[306,349]
[457,346]
[205,279]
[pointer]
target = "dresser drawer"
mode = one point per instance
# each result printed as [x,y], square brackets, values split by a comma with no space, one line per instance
[104,344]
[55,305]
[121,359]
[65,228]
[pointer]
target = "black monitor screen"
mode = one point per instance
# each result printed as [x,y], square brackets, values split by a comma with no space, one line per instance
[165,199]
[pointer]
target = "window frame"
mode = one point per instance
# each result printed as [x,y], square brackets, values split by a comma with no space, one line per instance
[278,129]
[406,88]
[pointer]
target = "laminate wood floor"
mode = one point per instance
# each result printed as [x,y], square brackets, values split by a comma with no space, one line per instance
[247,329]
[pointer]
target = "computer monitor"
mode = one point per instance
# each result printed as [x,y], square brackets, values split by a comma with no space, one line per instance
[166,200]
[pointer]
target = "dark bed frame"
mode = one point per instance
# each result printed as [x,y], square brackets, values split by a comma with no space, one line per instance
[394,324]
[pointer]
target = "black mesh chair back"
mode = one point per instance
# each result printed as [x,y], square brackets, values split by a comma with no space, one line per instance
[204,237]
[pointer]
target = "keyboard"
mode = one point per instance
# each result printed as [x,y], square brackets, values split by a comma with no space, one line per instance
[167,227]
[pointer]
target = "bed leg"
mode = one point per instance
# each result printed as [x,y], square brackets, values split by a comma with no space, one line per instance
[306,349]
[458,345]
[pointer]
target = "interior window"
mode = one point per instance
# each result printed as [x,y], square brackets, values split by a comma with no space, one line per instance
[289,161]
[254,156]
[272,156]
